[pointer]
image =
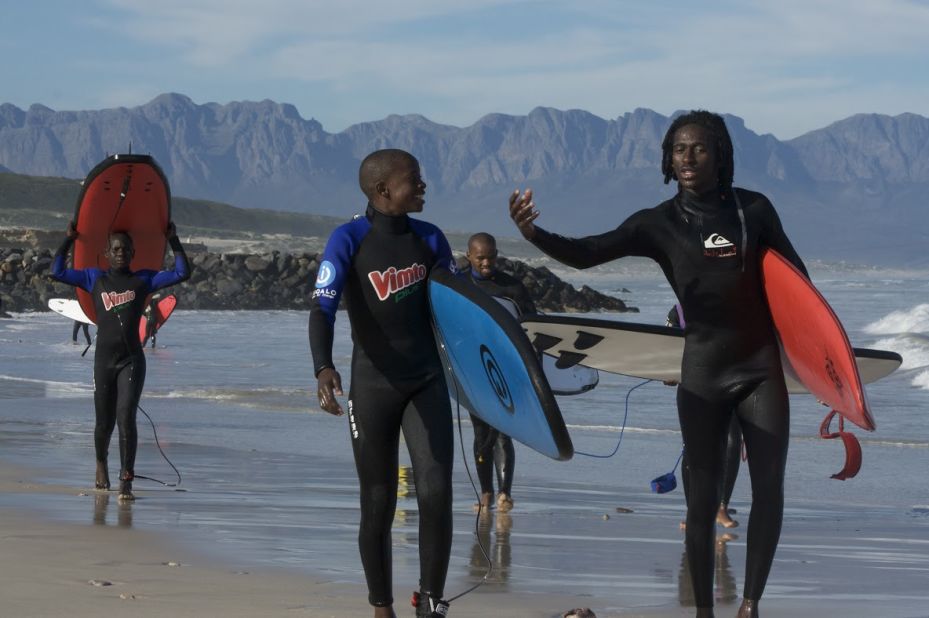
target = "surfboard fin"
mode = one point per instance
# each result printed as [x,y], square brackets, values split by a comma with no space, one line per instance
[852,446]
[542,341]
[585,341]
[568,359]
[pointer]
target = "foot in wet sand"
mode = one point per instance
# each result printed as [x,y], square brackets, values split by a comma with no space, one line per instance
[723,519]
[486,503]
[504,503]
[102,480]
[125,490]
[579,612]
[384,612]
[749,609]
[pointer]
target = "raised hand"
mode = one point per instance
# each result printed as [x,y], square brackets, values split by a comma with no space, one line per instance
[523,212]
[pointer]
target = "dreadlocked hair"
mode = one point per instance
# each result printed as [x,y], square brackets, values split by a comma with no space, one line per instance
[716,127]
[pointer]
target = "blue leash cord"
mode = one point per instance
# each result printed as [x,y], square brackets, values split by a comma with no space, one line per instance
[622,429]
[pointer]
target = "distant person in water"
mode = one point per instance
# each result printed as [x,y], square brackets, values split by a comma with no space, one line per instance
[380,261]
[708,240]
[733,450]
[119,295]
[151,320]
[78,327]
[492,448]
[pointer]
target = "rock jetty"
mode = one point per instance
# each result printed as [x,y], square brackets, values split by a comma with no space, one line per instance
[274,280]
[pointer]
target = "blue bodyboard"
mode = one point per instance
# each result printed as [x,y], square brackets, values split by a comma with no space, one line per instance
[494,370]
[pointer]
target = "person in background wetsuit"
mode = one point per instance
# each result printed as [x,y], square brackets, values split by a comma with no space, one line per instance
[151,320]
[708,240]
[381,261]
[492,448]
[78,326]
[730,459]
[119,364]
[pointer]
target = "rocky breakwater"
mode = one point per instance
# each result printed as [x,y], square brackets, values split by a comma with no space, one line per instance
[263,281]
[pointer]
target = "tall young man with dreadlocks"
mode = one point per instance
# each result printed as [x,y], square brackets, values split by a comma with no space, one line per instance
[708,240]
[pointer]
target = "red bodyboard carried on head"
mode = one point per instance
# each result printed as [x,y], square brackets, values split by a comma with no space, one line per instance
[123,193]
[816,346]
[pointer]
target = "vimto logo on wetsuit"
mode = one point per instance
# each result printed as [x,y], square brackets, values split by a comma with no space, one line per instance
[392,280]
[115,299]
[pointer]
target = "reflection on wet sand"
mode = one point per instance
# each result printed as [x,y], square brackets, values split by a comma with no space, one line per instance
[496,550]
[725,583]
[101,508]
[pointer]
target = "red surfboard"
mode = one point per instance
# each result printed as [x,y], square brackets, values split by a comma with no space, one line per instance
[814,340]
[127,193]
[163,309]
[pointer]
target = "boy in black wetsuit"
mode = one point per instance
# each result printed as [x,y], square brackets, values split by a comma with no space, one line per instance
[119,363]
[708,241]
[380,261]
[491,447]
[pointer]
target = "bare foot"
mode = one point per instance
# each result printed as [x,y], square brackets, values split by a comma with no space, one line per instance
[723,519]
[125,491]
[504,503]
[102,480]
[749,609]
[486,503]
[384,612]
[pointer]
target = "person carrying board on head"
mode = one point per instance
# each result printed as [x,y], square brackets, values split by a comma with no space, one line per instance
[708,240]
[380,262]
[119,295]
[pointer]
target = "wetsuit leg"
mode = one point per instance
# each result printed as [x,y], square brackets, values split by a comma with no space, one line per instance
[429,435]
[505,461]
[104,406]
[484,438]
[374,414]
[732,460]
[129,383]
[704,425]
[765,421]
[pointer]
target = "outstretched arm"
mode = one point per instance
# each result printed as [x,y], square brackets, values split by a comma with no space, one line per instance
[577,252]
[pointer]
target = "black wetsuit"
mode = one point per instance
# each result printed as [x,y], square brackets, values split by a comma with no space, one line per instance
[119,362]
[709,248]
[381,264]
[733,454]
[493,449]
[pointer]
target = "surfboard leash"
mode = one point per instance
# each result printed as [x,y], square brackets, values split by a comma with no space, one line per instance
[160,450]
[622,429]
[480,510]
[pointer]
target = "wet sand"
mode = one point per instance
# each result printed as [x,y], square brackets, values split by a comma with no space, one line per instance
[112,565]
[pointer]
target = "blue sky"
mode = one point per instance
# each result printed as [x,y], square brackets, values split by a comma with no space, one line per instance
[786,66]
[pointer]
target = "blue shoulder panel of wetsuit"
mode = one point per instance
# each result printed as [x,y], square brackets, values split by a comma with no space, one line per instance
[337,261]
[84,278]
[436,241]
[158,279]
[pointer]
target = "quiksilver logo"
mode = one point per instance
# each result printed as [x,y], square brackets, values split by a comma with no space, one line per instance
[114,299]
[715,241]
[393,280]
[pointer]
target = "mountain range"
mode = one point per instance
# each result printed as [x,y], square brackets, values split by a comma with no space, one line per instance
[854,190]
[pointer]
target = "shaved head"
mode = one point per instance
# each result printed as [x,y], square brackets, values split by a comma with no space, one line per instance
[378,165]
[482,238]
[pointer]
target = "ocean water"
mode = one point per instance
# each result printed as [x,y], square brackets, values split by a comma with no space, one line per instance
[267,478]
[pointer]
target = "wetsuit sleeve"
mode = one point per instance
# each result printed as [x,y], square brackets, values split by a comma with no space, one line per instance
[775,238]
[181,271]
[330,282]
[524,300]
[82,278]
[627,239]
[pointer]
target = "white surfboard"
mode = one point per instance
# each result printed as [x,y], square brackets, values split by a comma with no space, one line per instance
[649,351]
[572,380]
[69,308]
